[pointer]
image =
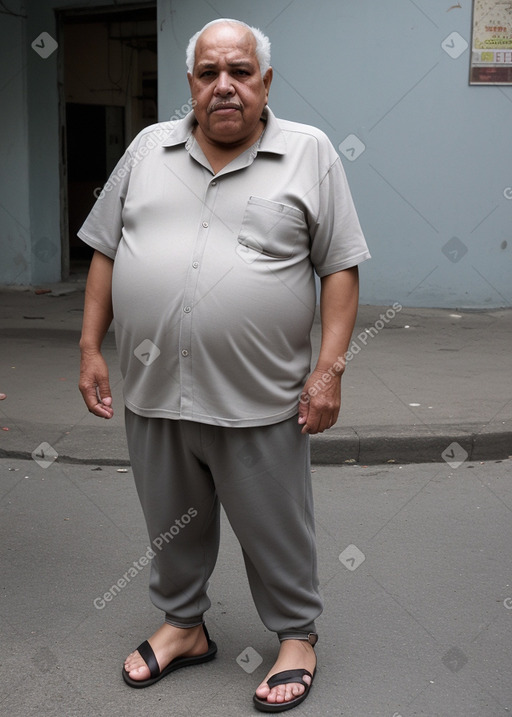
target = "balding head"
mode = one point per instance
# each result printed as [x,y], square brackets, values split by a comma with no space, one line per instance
[261,42]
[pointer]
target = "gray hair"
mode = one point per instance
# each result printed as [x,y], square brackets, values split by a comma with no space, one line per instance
[262,44]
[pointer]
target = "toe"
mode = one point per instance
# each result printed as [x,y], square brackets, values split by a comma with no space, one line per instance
[139,673]
[285,693]
[136,667]
[282,693]
[130,659]
[263,690]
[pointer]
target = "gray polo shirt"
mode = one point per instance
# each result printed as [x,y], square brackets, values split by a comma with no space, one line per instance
[213,282]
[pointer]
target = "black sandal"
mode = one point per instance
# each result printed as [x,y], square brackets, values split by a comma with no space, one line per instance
[147,654]
[283,678]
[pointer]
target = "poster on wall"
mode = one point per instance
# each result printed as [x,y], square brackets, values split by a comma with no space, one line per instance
[491,56]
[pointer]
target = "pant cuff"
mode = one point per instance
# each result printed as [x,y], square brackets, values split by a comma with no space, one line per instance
[182,623]
[307,635]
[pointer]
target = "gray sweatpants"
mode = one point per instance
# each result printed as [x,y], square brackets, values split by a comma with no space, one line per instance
[183,472]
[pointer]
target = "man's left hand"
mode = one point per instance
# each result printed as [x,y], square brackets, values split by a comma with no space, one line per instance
[320,401]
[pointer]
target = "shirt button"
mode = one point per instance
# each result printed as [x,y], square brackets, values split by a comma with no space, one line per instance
[213,182]
[184,352]
[205,225]
[187,309]
[195,264]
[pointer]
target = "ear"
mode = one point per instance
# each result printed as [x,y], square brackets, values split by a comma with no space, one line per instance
[189,78]
[267,81]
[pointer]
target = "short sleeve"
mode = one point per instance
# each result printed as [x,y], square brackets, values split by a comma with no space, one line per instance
[337,240]
[102,230]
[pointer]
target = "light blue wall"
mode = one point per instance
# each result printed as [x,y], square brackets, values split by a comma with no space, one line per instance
[14,199]
[437,161]
[43,142]
[438,153]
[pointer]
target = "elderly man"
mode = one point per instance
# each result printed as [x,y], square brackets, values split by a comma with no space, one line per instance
[206,238]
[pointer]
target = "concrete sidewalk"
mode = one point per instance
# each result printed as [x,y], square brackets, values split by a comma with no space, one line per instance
[421,385]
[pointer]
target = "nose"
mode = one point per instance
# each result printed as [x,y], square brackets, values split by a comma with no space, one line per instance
[224,86]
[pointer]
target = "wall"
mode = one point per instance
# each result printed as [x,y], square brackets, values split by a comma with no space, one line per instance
[30,234]
[43,143]
[431,185]
[427,156]
[14,198]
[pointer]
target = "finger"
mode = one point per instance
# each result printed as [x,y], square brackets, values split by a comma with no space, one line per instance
[318,422]
[310,424]
[102,411]
[89,395]
[103,390]
[103,407]
[97,406]
[303,409]
[307,420]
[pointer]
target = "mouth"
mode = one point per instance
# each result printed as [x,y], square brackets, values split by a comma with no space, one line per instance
[224,107]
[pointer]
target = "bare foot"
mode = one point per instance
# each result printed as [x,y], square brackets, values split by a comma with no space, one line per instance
[168,642]
[293,654]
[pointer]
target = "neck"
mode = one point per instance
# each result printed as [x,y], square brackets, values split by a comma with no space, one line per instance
[228,146]
[219,154]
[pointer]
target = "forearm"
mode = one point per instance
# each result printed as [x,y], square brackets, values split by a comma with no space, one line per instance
[338,309]
[98,303]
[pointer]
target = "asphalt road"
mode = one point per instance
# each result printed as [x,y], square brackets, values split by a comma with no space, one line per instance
[416,571]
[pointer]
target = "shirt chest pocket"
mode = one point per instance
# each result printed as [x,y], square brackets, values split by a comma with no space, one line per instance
[271,228]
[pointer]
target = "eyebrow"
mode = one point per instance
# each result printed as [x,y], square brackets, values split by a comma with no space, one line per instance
[206,65]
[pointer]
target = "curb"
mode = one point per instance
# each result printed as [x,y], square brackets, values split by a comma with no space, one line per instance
[412,444]
[367,446]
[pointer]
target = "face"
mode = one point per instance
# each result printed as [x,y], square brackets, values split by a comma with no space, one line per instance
[227,86]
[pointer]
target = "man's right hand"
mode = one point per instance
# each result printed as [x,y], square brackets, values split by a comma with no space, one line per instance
[94,384]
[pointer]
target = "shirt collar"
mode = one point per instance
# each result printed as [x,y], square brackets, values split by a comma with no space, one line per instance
[272,140]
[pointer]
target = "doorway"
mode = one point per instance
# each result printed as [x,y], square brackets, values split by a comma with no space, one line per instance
[108,93]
